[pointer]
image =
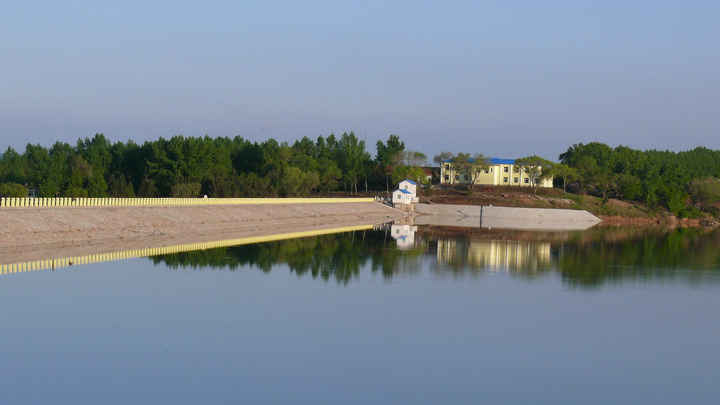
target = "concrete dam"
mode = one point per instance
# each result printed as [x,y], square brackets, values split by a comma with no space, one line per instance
[504,217]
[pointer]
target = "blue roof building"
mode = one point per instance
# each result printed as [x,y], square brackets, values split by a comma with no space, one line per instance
[499,172]
[406,192]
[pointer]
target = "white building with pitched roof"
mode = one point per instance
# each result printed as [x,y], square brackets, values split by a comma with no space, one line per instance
[406,193]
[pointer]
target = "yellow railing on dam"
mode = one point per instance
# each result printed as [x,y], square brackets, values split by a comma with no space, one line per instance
[129,254]
[128,202]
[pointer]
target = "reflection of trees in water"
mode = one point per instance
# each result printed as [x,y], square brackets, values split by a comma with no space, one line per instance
[647,255]
[338,256]
[586,259]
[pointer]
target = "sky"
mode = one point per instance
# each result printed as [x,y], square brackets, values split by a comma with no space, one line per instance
[506,79]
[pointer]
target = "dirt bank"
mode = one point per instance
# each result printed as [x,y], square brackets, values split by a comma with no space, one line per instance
[613,212]
[664,222]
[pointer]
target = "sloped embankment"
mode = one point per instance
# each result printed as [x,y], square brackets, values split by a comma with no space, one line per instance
[26,227]
[504,217]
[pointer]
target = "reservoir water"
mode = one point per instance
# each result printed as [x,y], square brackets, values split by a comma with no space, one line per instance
[399,315]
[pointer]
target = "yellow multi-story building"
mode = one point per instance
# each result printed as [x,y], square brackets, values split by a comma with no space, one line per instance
[499,172]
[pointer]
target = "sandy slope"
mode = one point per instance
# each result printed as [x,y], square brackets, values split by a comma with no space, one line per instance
[29,233]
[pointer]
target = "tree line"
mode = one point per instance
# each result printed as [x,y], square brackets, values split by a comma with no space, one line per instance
[684,183]
[681,182]
[217,167]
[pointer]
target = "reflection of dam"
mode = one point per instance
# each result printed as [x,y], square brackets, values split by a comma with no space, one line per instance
[54,263]
[494,254]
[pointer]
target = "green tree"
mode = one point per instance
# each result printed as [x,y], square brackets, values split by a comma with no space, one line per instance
[470,167]
[50,168]
[97,152]
[327,147]
[147,188]
[97,186]
[413,173]
[593,176]
[329,175]
[603,155]
[182,188]
[390,152]
[247,157]
[80,174]
[565,173]
[704,192]
[351,158]
[13,190]
[11,167]
[536,168]
[675,201]
[76,187]
[305,147]
[388,155]
[119,187]
[628,187]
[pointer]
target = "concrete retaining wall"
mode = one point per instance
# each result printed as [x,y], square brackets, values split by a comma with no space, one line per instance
[504,217]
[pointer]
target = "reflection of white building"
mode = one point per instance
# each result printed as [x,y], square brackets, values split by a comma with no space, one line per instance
[494,255]
[404,235]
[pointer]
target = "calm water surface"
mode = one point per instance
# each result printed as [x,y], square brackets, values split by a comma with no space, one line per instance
[377,317]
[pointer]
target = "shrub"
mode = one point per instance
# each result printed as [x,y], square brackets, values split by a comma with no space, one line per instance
[13,190]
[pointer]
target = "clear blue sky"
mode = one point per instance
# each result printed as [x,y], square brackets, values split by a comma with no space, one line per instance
[502,78]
